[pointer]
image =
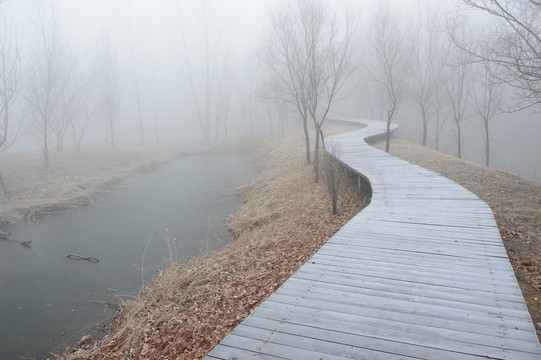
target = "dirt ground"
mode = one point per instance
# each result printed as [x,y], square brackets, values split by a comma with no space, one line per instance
[515,202]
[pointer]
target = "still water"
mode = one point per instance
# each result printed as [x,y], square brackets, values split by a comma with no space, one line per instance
[48,300]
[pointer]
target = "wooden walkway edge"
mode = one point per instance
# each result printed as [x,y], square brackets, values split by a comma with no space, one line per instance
[421,273]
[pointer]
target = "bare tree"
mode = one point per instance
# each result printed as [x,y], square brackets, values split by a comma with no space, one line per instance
[225,94]
[309,55]
[389,44]
[487,99]
[427,65]
[44,82]
[135,64]
[439,111]
[200,54]
[285,54]
[459,74]
[330,64]
[518,47]
[247,102]
[81,124]
[82,107]
[154,94]
[456,88]
[108,85]
[69,100]
[10,76]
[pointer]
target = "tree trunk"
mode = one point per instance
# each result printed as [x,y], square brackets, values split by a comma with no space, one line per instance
[388,135]
[45,147]
[487,145]
[437,132]
[45,157]
[306,140]
[3,186]
[425,126]
[459,139]
[316,157]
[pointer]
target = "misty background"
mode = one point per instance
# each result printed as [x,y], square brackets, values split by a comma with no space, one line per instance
[129,72]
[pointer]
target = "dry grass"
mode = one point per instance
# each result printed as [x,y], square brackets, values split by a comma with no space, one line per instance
[283,220]
[75,177]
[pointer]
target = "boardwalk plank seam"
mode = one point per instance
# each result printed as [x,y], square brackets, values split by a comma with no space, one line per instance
[421,273]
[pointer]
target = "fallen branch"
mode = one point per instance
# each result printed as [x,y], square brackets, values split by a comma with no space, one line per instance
[79,257]
[5,237]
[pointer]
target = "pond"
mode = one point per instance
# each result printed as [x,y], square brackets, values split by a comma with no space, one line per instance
[48,301]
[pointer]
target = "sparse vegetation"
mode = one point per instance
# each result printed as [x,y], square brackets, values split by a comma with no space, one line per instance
[74,177]
[332,167]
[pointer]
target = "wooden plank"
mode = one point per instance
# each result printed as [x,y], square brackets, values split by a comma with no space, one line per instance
[421,273]
[391,284]
[268,348]
[415,272]
[310,341]
[225,352]
[386,337]
[357,251]
[336,332]
[374,325]
[461,311]
[407,293]
[451,320]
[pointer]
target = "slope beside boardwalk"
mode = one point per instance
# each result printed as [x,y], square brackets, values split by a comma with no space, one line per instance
[420,273]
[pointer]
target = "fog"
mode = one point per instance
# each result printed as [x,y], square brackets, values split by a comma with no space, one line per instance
[192,70]
[106,85]
[143,36]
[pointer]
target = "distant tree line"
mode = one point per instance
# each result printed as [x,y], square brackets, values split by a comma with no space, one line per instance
[434,58]
[314,54]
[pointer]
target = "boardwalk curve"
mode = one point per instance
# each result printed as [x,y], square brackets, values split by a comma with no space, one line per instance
[421,273]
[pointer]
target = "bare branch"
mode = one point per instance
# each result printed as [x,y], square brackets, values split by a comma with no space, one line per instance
[518,47]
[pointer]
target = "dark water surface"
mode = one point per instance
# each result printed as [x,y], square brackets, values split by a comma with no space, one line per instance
[48,300]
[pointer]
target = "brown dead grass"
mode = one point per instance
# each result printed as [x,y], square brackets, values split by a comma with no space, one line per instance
[283,220]
[75,177]
[515,202]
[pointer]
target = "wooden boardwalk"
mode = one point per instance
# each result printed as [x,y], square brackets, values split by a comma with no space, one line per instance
[421,273]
